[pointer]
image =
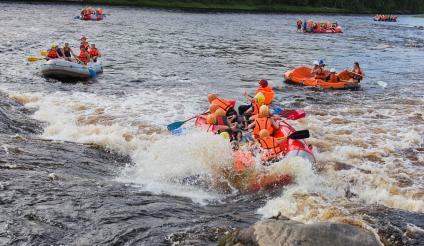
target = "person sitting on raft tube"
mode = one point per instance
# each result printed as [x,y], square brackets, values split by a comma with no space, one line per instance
[315,68]
[94,53]
[266,91]
[85,43]
[270,146]
[52,52]
[226,105]
[357,74]
[332,77]
[68,53]
[320,73]
[84,56]
[263,121]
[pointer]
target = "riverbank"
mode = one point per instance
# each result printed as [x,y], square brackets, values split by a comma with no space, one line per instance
[201,6]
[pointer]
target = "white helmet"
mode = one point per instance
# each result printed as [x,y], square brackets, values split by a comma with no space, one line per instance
[333,70]
[316,63]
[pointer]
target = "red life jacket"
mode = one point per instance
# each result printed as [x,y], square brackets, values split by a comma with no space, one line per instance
[94,52]
[83,56]
[52,54]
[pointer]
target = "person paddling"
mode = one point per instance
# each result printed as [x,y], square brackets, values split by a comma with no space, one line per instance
[263,121]
[357,74]
[94,52]
[67,52]
[226,105]
[271,149]
[52,52]
[320,74]
[84,56]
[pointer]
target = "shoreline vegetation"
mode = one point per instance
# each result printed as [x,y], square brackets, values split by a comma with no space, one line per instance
[276,6]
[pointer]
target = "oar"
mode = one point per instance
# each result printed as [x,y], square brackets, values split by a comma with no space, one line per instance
[289,113]
[302,134]
[34,59]
[171,127]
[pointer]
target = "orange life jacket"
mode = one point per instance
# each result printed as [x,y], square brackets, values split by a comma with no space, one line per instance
[262,123]
[268,93]
[271,148]
[83,56]
[255,108]
[224,104]
[94,52]
[52,54]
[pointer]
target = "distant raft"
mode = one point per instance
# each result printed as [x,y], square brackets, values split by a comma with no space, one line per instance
[303,76]
[66,70]
[321,27]
[386,18]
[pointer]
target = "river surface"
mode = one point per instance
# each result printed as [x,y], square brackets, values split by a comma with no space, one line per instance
[159,67]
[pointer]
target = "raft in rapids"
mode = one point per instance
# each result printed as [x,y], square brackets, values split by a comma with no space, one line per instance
[245,161]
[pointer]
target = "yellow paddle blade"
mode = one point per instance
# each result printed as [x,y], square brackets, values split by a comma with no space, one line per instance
[43,53]
[33,59]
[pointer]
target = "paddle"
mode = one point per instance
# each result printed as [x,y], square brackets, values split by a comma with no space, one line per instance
[289,113]
[34,59]
[173,126]
[302,134]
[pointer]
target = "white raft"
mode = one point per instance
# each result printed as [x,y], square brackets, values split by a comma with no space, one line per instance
[62,69]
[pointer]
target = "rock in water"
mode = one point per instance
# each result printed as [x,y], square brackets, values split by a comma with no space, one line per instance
[289,233]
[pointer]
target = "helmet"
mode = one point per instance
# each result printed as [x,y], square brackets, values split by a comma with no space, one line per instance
[83,37]
[264,133]
[321,62]
[53,45]
[260,98]
[316,63]
[225,135]
[212,97]
[219,112]
[211,119]
[263,111]
[213,108]
[333,70]
[263,83]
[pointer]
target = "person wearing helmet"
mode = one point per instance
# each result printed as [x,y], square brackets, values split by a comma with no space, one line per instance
[332,77]
[94,53]
[226,105]
[271,149]
[231,128]
[52,52]
[84,56]
[264,120]
[320,73]
[315,68]
[256,103]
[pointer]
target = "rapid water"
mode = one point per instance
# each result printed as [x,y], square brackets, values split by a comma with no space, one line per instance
[159,66]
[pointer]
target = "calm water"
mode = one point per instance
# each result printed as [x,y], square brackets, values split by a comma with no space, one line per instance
[159,66]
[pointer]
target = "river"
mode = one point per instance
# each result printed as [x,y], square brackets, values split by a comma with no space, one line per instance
[159,67]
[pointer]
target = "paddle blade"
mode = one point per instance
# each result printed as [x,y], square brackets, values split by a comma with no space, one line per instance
[33,59]
[293,114]
[43,53]
[173,126]
[299,134]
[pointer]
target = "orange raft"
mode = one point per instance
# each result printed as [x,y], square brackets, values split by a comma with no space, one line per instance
[303,76]
[244,161]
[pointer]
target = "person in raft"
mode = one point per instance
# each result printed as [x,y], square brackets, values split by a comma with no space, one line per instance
[357,74]
[320,73]
[253,110]
[94,53]
[264,120]
[52,52]
[84,56]
[85,43]
[266,90]
[332,77]
[315,68]
[272,150]
[68,53]
[226,105]
[299,25]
